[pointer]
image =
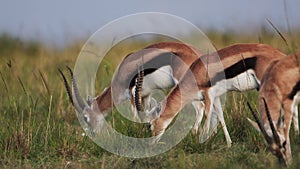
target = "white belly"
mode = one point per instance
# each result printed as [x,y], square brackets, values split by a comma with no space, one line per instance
[162,78]
[243,82]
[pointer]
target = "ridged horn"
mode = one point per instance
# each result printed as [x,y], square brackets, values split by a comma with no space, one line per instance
[275,134]
[138,90]
[75,89]
[259,123]
[69,91]
[66,86]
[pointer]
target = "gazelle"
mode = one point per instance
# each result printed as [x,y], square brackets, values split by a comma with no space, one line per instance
[159,61]
[244,65]
[278,97]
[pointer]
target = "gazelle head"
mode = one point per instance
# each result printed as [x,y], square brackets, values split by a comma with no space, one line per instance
[92,114]
[89,111]
[274,136]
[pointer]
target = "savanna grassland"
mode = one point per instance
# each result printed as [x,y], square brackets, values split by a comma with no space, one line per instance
[39,127]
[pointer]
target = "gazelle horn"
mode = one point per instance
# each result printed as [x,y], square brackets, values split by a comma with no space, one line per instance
[69,91]
[138,90]
[275,134]
[75,89]
[262,129]
[66,86]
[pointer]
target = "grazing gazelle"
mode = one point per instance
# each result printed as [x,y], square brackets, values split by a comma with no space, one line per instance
[244,65]
[159,61]
[278,97]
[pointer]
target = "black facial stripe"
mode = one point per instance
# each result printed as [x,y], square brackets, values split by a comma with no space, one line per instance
[296,88]
[234,70]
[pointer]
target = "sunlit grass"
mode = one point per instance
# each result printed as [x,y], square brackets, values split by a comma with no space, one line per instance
[39,127]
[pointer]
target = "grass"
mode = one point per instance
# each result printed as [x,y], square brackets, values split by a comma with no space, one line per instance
[39,128]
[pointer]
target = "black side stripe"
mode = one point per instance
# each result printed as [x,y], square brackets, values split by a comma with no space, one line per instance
[296,88]
[234,70]
[163,59]
[146,72]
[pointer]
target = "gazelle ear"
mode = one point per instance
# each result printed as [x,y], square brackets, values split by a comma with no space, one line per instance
[89,100]
[254,124]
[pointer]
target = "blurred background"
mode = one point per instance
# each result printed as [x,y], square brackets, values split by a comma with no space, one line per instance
[60,22]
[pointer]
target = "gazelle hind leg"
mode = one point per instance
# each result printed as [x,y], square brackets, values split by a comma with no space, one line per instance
[199,108]
[219,111]
[134,113]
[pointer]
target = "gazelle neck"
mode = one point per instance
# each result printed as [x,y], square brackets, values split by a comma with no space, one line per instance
[104,101]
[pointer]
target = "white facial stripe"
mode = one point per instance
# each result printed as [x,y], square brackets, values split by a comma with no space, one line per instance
[86,118]
[270,133]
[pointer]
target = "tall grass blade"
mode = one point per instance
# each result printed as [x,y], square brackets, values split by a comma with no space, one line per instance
[287,17]
[4,82]
[48,123]
[279,33]
[45,84]
[22,85]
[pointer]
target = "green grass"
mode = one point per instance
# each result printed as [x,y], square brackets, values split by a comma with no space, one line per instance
[39,128]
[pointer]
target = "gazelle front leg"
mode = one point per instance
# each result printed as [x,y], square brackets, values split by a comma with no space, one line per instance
[294,109]
[134,113]
[295,119]
[204,135]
